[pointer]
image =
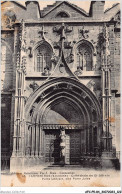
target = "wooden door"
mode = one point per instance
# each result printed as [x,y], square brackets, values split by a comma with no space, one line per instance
[73,147]
[52,146]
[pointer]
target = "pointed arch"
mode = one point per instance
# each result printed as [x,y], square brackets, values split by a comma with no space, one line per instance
[84,55]
[49,91]
[42,56]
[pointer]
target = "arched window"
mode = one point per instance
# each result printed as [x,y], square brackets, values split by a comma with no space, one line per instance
[43,55]
[62,15]
[84,57]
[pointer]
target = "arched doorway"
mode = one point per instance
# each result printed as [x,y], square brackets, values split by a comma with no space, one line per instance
[60,122]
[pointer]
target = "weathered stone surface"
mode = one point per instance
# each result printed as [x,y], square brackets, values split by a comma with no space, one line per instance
[40,37]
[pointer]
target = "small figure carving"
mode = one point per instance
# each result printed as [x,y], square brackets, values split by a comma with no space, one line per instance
[34,86]
[54,59]
[78,72]
[91,85]
[32,111]
[69,87]
[46,71]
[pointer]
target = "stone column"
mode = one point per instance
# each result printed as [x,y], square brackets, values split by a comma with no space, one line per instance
[19,126]
[40,140]
[37,140]
[33,141]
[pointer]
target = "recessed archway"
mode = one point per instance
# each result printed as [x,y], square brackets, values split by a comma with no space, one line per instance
[62,103]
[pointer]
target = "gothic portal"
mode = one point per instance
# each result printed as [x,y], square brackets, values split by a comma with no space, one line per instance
[60,85]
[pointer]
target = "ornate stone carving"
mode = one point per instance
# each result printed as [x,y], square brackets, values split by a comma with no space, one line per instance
[10,19]
[61,68]
[23,65]
[78,72]
[70,58]
[54,58]
[46,71]
[56,87]
[83,94]
[34,86]
[58,29]
[57,45]
[69,87]
[68,29]
[42,96]
[18,60]
[67,45]
[91,85]
[22,36]
[83,33]
[42,32]
[32,111]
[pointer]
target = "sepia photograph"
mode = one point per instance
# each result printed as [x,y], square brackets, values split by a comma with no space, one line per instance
[60,93]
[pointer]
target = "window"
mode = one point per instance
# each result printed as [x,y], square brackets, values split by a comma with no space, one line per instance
[84,57]
[62,15]
[43,58]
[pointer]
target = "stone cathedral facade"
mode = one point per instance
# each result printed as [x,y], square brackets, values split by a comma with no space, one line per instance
[60,96]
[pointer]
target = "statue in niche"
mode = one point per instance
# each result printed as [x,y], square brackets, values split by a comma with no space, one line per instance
[62,146]
[54,61]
